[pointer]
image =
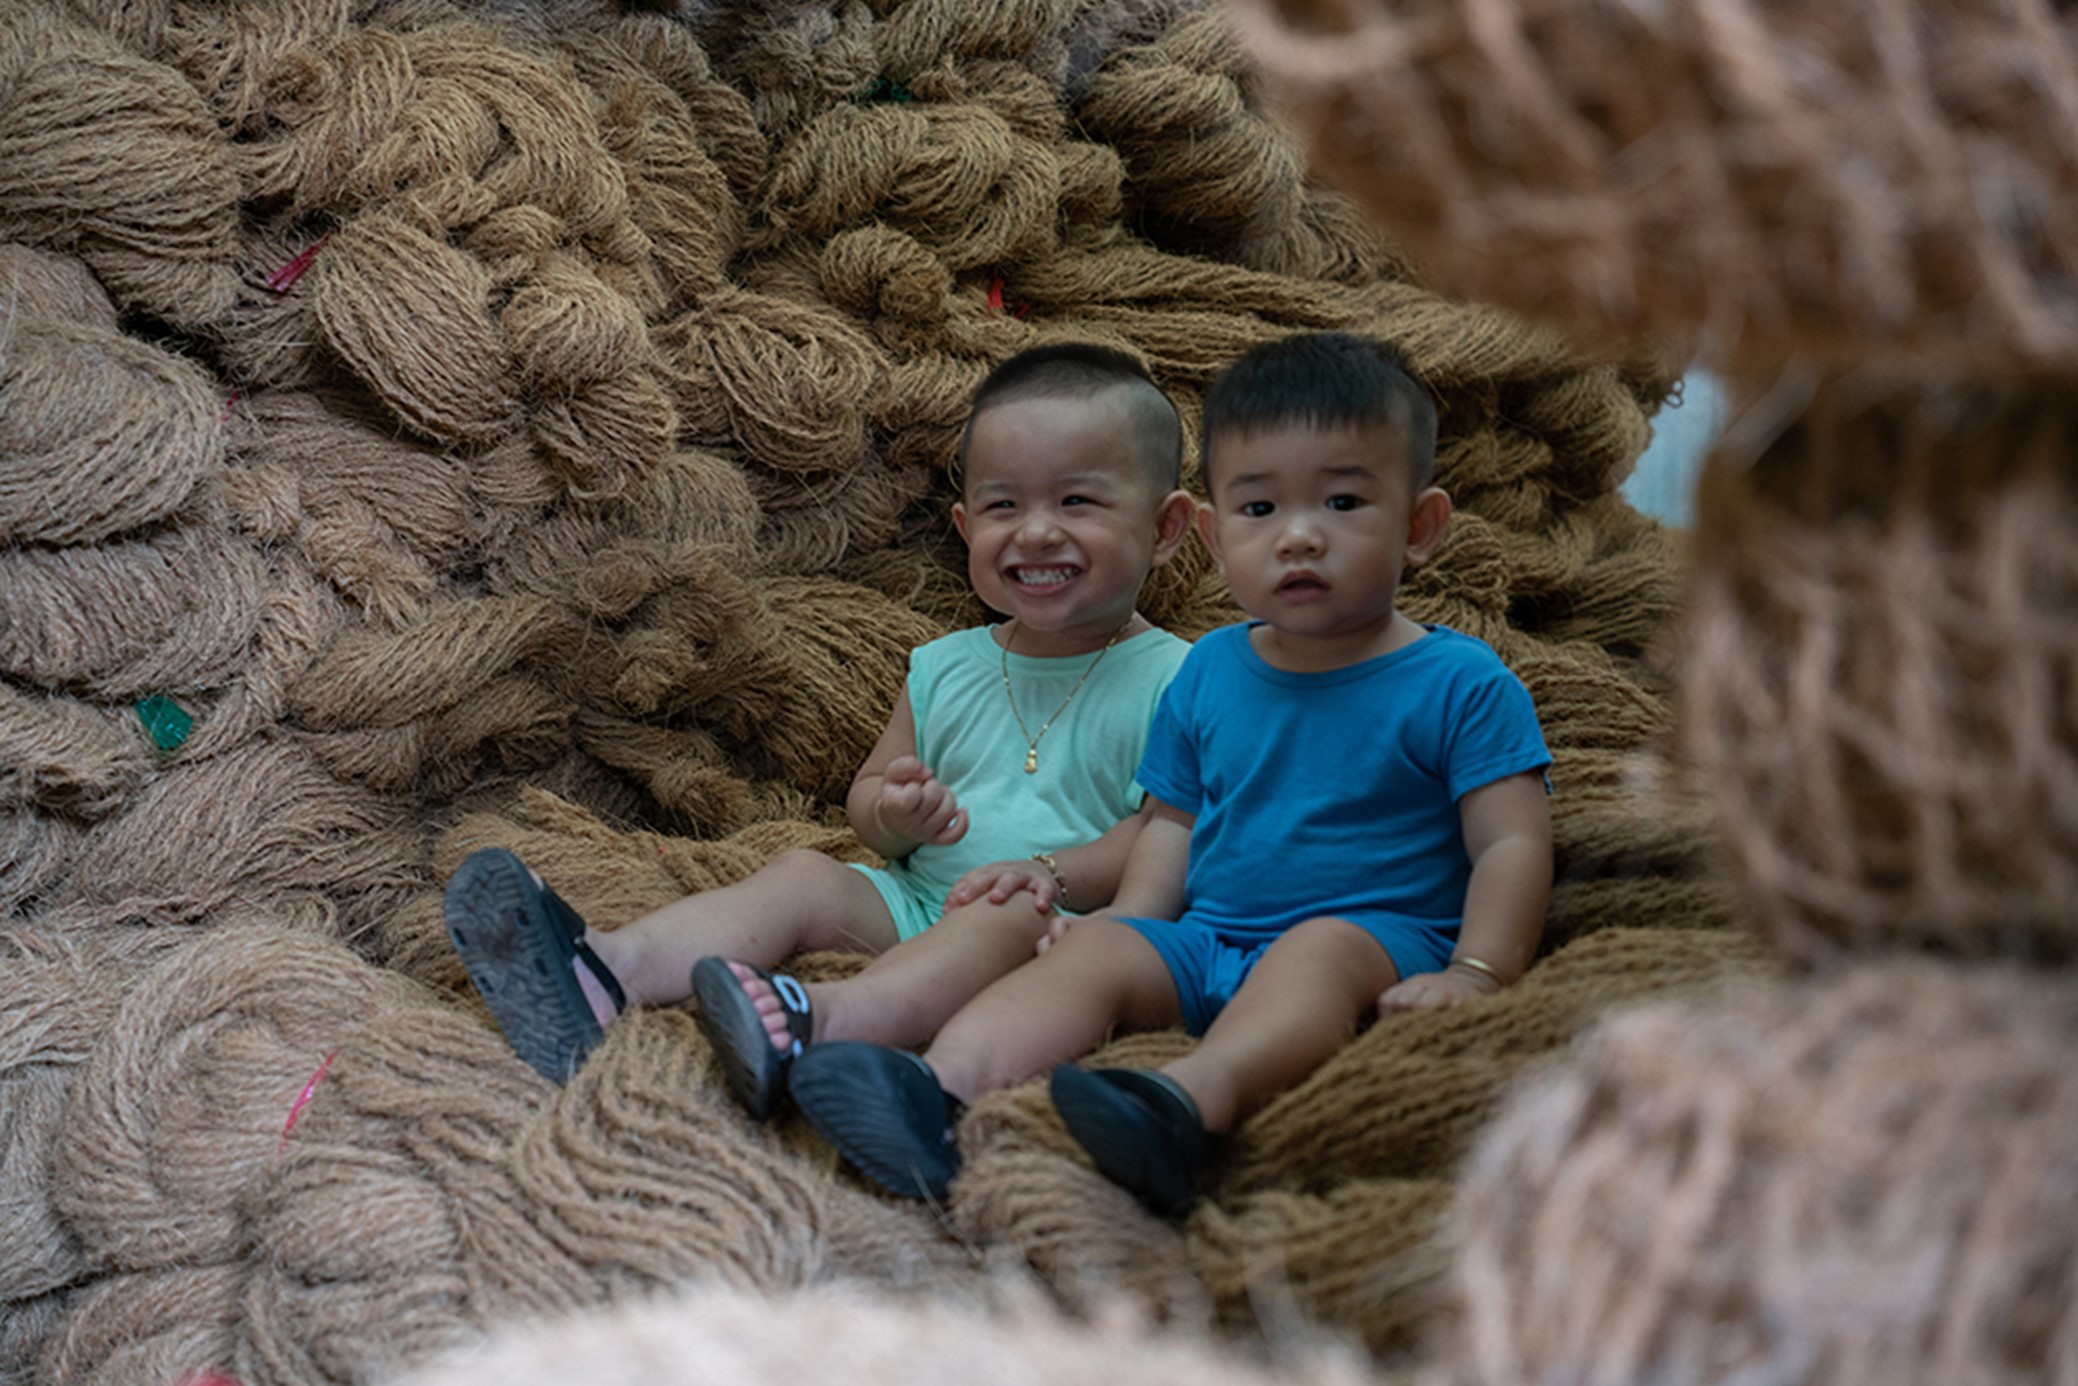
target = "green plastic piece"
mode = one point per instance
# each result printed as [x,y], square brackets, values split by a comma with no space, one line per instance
[165,721]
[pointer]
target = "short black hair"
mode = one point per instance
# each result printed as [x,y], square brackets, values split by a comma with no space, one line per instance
[1324,380]
[1084,370]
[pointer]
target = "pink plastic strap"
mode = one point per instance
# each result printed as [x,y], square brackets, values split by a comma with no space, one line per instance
[995,300]
[284,279]
[303,1099]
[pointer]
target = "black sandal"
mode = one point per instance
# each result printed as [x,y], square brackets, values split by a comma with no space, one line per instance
[884,1112]
[518,938]
[1142,1131]
[755,1069]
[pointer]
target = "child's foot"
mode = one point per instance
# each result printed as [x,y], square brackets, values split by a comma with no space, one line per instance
[1141,1129]
[757,1022]
[884,1111]
[525,951]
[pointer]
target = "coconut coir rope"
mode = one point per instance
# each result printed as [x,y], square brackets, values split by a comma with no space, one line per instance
[1884,182]
[1879,670]
[1869,1178]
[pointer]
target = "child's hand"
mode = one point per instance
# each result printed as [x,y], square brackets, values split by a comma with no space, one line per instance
[915,805]
[1427,991]
[1058,926]
[1000,880]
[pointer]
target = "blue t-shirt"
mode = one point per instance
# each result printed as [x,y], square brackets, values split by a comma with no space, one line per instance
[1334,793]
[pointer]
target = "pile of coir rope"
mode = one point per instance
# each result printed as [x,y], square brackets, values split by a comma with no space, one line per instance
[426,424]
[1868,215]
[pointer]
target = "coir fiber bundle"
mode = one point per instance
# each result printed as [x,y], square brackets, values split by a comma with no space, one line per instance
[362,1231]
[1868,1179]
[380,517]
[146,1326]
[956,177]
[792,61]
[189,1089]
[688,149]
[1209,172]
[36,852]
[1880,668]
[197,613]
[603,557]
[785,383]
[172,611]
[409,315]
[119,161]
[58,999]
[262,825]
[1884,181]
[482,1195]
[100,433]
[59,755]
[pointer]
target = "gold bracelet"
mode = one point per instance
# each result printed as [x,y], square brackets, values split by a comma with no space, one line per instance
[1477,966]
[1060,882]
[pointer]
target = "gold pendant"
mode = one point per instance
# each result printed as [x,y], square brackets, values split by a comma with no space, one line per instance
[1032,761]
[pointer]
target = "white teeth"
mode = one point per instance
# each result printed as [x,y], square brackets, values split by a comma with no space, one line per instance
[1041,577]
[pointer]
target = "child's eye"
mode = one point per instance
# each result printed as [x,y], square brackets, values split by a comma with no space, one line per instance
[1075,500]
[1255,510]
[997,505]
[1344,502]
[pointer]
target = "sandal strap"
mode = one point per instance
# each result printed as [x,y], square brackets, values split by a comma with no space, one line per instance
[793,1003]
[600,971]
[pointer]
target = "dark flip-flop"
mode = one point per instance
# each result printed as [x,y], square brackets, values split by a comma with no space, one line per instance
[517,938]
[1142,1131]
[756,1070]
[884,1112]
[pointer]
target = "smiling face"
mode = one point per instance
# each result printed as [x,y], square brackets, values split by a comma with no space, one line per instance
[1063,520]
[1312,528]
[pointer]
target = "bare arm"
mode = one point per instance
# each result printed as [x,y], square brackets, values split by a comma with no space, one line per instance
[1508,836]
[895,804]
[1151,885]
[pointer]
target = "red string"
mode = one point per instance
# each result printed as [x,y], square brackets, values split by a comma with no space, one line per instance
[303,1099]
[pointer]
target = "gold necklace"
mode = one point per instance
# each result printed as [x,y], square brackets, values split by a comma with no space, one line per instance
[1031,740]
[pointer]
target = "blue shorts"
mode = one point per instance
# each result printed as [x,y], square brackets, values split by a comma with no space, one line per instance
[1209,966]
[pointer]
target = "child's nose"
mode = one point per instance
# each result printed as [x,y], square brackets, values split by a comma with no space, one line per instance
[1040,526]
[1299,536]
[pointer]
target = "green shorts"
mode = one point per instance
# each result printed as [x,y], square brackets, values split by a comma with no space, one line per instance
[914,908]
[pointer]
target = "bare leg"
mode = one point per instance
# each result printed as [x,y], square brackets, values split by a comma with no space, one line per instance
[906,994]
[1061,1005]
[1301,1003]
[799,900]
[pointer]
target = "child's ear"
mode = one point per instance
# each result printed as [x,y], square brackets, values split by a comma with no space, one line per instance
[1426,521]
[1209,532]
[959,518]
[1172,525]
